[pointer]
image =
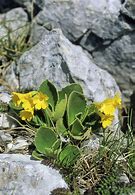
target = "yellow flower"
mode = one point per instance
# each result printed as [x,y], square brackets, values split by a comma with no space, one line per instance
[117,102]
[28,104]
[26,115]
[40,101]
[109,105]
[107,109]
[19,98]
[106,120]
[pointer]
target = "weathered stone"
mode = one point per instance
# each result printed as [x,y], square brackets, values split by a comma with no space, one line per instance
[36,33]
[129,8]
[119,60]
[77,17]
[19,144]
[124,179]
[13,22]
[11,77]
[95,25]
[19,174]
[5,120]
[5,137]
[91,145]
[57,59]
[5,97]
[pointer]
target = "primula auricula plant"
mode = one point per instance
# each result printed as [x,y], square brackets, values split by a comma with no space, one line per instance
[63,119]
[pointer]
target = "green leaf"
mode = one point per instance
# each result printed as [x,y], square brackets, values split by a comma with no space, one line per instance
[69,155]
[44,140]
[37,155]
[60,109]
[56,145]
[89,110]
[85,114]
[48,117]
[69,89]
[77,128]
[14,107]
[37,121]
[75,106]
[85,135]
[49,89]
[60,128]
[92,109]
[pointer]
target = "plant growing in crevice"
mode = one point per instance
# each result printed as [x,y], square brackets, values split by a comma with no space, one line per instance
[65,120]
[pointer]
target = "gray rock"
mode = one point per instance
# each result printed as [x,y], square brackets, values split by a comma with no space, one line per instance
[57,59]
[124,179]
[129,8]
[91,145]
[75,18]
[20,175]
[96,26]
[5,120]
[37,32]
[13,22]
[5,97]
[19,144]
[11,77]
[5,137]
[119,60]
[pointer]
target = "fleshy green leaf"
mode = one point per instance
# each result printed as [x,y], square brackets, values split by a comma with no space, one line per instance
[89,110]
[77,128]
[69,155]
[56,145]
[44,139]
[37,121]
[49,89]
[14,107]
[69,89]
[60,128]
[60,109]
[75,106]
[37,155]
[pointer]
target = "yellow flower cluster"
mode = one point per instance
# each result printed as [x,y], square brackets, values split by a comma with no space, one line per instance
[107,109]
[29,102]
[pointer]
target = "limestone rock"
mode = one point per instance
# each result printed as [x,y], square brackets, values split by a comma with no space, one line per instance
[13,22]
[19,174]
[129,8]
[37,32]
[55,58]
[119,60]
[77,17]
[98,26]
[5,120]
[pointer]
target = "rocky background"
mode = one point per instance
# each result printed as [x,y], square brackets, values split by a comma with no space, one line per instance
[91,42]
[105,29]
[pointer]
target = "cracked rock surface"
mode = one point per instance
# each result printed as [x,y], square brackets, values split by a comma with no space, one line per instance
[57,59]
[13,22]
[104,28]
[20,175]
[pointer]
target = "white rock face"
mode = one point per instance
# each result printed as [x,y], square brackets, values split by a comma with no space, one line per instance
[5,120]
[21,176]
[99,26]
[5,97]
[14,22]
[75,17]
[57,59]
